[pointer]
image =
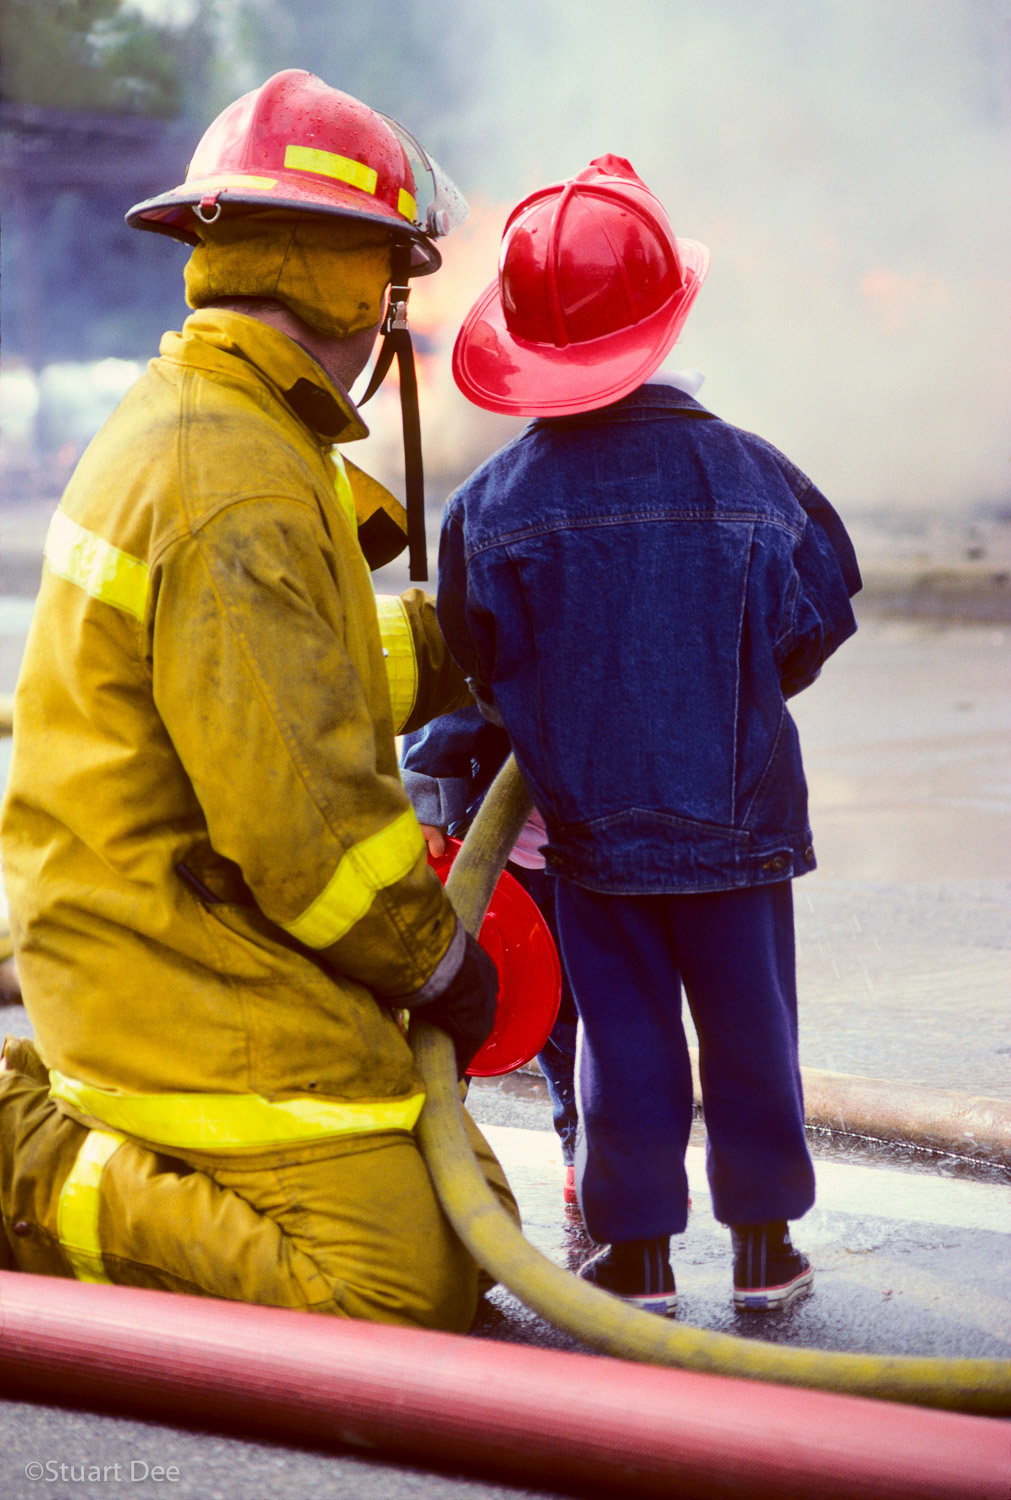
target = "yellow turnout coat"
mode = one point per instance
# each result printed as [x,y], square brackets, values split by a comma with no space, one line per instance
[211,863]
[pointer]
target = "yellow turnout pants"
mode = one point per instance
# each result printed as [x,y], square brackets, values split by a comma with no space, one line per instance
[350,1227]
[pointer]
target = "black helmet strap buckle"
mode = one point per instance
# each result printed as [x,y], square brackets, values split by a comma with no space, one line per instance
[397,341]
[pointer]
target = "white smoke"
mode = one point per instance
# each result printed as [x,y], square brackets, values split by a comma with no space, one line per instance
[846,162]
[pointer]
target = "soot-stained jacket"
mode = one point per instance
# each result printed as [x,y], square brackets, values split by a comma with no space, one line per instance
[212,867]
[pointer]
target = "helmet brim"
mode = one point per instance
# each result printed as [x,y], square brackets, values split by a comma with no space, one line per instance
[176,213]
[504,374]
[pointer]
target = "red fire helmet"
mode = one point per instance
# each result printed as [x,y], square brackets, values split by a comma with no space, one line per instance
[295,143]
[592,292]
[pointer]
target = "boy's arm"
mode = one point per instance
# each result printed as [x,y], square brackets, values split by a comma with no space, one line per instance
[827,576]
[437,767]
[451,607]
[826,518]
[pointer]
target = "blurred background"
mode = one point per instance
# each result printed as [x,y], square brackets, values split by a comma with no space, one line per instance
[845,160]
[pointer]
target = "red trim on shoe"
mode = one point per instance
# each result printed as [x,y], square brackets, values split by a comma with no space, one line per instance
[601,1268]
[569,1189]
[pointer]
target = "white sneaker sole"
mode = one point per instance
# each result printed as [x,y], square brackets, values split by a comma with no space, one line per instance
[773,1298]
[664,1303]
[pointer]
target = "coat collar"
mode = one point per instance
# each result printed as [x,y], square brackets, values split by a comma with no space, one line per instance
[653,396]
[214,337]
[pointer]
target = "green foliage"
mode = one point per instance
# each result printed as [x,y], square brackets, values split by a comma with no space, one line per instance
[98,55]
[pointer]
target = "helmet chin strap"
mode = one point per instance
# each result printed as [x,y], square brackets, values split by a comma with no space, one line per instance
[397,341]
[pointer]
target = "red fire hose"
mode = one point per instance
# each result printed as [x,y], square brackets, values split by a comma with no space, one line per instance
[511,1412]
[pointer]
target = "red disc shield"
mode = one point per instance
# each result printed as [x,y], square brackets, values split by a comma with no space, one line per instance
[516,937]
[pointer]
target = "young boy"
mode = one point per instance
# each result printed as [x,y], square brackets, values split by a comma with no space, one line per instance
[635,588]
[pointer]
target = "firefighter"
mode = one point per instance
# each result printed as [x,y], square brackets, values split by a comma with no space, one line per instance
[220,899]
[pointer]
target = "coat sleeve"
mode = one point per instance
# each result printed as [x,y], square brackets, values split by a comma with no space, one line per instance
[457,617]
[255,683]
[442,686]
[827,576]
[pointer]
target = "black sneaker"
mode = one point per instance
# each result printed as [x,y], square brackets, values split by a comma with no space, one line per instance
[638,1272]
[768,1271]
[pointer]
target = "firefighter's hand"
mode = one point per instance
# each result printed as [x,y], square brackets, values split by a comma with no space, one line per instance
[435,838]
[466,1007]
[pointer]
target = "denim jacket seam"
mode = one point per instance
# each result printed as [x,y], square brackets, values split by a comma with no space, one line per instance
[796,478]
[631,518]
[798,481]
[787,636]
[767,769]
[631,417]
[572,830]
[742,611]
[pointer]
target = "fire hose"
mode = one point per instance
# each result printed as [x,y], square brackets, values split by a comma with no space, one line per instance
[543,1417]
[601,1321]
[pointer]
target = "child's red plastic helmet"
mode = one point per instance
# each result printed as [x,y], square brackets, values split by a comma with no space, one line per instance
[296,144]
[592,292]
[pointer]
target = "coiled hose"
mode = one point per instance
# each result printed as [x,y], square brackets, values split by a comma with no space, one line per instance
[599,1320]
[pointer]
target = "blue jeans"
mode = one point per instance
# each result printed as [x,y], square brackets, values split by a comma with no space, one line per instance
[627,957]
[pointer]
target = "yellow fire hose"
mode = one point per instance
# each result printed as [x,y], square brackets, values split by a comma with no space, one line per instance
[601,1321]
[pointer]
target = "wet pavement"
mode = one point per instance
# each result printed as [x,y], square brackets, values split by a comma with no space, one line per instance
[908,1260]
[904,931]
[903,963]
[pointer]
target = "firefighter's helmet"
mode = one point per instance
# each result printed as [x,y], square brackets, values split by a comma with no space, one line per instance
[297,145]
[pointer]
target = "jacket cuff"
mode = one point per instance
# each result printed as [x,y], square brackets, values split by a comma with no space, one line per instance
[442,975]
[438,801]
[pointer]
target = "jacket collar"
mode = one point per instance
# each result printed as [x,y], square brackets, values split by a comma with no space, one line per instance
[214,337]
[649,397]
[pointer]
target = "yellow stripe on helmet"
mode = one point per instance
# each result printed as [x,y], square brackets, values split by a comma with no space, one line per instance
[102,570]
[328,164]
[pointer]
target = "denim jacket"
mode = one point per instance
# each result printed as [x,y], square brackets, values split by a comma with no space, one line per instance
[636,591]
